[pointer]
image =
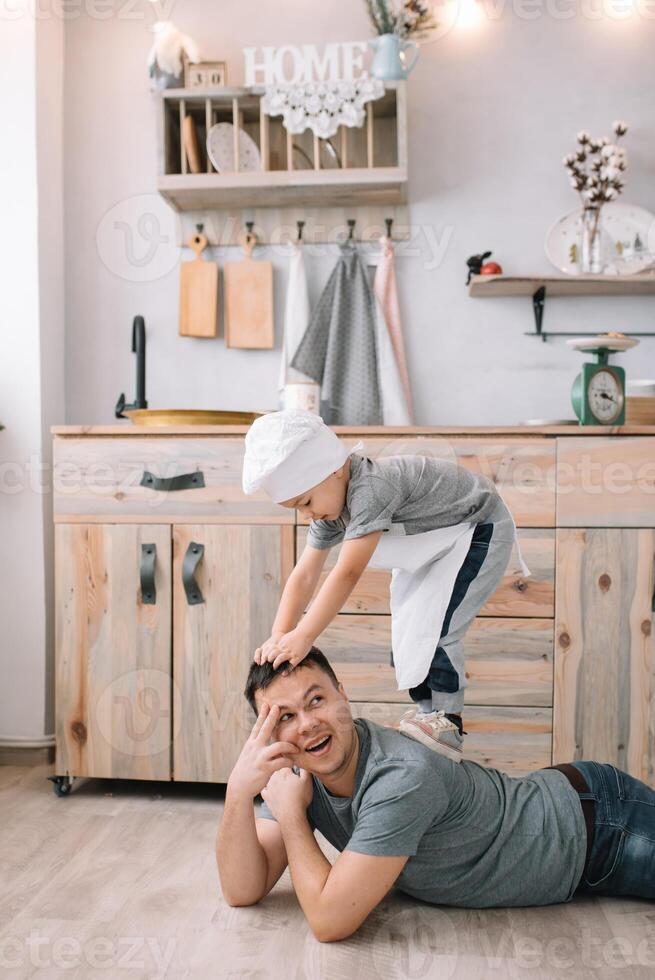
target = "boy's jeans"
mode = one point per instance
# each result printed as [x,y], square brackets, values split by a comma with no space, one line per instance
[478,579]
[622,859]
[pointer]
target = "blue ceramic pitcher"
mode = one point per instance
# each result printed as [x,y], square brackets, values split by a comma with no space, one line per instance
[390,61]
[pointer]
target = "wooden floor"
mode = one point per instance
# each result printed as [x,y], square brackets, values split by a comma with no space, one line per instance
[119,880]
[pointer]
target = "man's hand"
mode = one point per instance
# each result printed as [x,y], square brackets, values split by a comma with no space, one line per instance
[259,760]
[288,795]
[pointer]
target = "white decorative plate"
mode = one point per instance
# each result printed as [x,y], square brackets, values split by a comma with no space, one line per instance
[602,340]
[629,245]
[220,147]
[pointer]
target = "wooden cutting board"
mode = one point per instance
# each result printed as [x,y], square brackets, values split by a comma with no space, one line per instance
[249,301]
[198,293]
[190,139]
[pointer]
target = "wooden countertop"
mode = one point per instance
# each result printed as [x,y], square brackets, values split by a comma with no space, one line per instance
[527,431]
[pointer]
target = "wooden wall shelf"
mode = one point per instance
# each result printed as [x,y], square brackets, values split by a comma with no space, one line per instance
[540,287]
[366,166]
[295,188]
[561,285]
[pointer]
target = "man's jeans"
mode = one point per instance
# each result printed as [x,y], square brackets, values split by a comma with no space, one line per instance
[622,859]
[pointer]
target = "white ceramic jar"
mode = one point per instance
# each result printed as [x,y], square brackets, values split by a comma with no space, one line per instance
[302,394]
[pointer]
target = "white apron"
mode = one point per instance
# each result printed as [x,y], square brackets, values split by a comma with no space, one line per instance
[424,568]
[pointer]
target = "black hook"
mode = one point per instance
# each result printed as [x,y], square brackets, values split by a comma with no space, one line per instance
[389,223]
[351,228]
[249,227]
[301,225]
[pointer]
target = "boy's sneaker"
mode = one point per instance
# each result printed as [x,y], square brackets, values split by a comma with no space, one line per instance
[434,730]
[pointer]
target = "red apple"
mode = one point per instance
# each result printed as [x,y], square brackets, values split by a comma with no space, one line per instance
[491,269]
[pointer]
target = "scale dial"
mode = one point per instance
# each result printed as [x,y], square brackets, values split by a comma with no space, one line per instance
[605,396]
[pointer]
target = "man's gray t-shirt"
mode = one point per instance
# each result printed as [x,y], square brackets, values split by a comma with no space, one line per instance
[475,836]
[420,492]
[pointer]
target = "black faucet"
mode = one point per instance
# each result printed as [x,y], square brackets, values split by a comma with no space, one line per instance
[138,348]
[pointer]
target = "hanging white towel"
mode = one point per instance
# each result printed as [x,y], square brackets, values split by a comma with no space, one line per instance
[394,383]
[296,318]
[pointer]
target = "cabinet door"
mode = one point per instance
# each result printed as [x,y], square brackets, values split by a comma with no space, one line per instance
[234,581]
[604,660]
[113,650]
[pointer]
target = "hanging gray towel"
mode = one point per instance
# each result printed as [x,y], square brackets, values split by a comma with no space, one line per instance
[338,348]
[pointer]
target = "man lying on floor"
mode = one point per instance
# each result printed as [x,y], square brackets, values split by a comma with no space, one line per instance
[446,833]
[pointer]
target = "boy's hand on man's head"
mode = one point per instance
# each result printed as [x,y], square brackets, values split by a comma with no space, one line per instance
[291,648]
[262,653]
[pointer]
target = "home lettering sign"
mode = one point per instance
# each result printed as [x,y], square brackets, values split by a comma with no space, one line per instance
[293,64]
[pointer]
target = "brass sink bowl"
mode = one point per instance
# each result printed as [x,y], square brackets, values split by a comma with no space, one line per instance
[188,416]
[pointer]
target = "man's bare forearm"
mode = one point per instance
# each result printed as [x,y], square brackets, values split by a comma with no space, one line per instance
[309,870]
[242,865]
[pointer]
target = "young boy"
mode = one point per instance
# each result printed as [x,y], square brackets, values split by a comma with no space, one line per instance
[444,531]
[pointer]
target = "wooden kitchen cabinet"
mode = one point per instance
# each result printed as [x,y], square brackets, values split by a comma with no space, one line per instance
[560,664]
[240,574]
[133,700]
[604,653]
[113,708]
[605,482]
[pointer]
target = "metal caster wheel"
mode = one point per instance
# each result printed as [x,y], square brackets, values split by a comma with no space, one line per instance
[61,785]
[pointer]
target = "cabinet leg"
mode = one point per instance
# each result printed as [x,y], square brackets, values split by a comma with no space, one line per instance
[61,785]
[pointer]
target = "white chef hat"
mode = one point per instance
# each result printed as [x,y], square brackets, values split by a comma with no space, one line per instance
[289,452]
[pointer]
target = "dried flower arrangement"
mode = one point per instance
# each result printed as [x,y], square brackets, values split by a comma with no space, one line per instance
[596,171]
[597,166]
[408,18]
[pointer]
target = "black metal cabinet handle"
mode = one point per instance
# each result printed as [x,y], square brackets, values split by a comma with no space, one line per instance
[147,574]
[193,555]
[186,481]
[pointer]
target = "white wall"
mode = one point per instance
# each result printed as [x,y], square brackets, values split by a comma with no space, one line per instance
[491,113]
[31,367]
[50,173]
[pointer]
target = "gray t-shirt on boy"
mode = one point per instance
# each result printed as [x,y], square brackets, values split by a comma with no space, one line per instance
[475,836]
[420,492]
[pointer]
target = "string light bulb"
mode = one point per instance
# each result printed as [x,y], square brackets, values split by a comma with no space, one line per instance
[469,14]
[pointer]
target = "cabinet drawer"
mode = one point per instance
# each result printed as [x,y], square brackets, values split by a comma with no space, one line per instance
[606,482]
[98,480]
[516,596]
[522,469]
[515,740]
[508,661]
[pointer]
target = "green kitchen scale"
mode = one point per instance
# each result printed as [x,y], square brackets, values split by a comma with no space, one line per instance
[598,393]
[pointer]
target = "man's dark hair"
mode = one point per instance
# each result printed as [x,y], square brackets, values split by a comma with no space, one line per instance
[261,675]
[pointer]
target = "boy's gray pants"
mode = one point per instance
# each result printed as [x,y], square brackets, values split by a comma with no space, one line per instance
[477,580]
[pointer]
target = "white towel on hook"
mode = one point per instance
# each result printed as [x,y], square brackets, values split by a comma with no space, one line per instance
[296,318]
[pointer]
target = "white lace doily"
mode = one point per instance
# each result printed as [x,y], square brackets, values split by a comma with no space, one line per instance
[321,106]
